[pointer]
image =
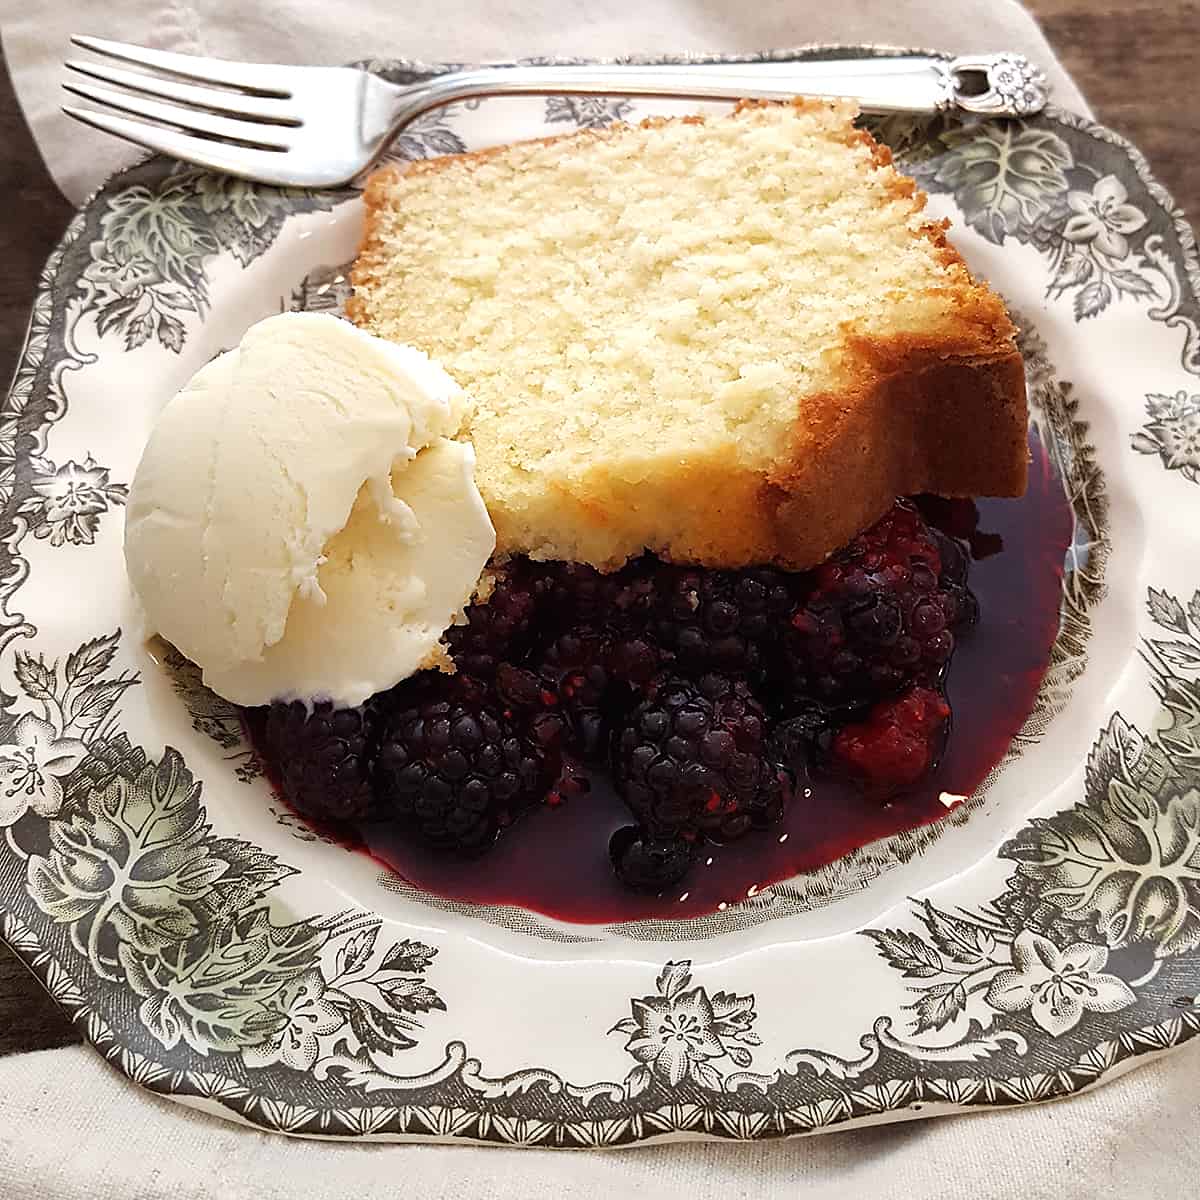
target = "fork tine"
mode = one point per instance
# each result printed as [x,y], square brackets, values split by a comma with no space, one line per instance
[264,79]
[265,166]
[223,129]
[269,110]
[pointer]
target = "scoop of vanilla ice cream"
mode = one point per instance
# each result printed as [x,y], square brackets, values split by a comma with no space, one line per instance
[300,524]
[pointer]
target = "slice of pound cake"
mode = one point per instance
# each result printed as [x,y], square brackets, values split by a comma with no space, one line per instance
[730,340]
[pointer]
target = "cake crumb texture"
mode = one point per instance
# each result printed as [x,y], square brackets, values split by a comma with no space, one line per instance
[729,341]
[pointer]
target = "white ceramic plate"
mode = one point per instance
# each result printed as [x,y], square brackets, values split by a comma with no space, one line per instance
[1041,939]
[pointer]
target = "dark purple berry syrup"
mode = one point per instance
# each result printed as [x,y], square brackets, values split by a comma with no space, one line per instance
[557,861]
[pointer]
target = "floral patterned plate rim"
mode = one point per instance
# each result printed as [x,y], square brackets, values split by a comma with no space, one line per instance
[1042,939]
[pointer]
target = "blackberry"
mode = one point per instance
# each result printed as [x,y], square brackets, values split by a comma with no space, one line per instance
[798,738]
[538,711]
[594,676]
[691,761]
[632,662]
[720,621]
[647,864]
[575,594]
[574,668]
[456,771]
[879,616]
[953,579]
[898,743]
[497,629]
[324,756]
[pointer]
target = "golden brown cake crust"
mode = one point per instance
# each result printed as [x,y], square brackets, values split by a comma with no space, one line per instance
[943,413]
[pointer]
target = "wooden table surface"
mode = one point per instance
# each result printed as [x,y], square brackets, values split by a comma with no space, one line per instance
[1132,60]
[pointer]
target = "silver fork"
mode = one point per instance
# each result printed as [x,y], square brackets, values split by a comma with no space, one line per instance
[319,127]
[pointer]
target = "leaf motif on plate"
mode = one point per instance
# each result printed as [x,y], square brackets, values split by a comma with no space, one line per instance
[1122,751]
[673,978]
[354,954]
[1076,268]
[1092,300]
[962,941]
[907,952]
[91,660]
[1129,865]
[378,1031]
[88,707]
[170,333]
[637,1081]
[411,995]
[138,329]
[1179,654]
[937,1006]
[427,137]
[133,864]
[249,874]
[212,991]
[1004,175]
[1166,611]
[37,680]
[150,263]
[1132,283]
[408,955]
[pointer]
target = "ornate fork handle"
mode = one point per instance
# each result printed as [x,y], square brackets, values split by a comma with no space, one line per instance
[994,84]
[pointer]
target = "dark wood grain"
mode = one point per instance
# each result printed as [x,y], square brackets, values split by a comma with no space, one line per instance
[1136,62]
[35,215]
[1133,60]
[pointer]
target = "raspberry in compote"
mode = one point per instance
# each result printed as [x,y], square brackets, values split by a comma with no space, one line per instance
[897,742]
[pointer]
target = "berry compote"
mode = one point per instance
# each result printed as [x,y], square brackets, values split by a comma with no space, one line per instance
[667,740]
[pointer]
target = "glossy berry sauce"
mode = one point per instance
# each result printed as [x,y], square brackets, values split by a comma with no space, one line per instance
[556,860]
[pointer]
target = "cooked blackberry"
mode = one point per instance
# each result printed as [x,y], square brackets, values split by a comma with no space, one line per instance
[691,760]
[497,629]
[323,755]
[456,772]
[879,616]
[632,661]
[798,738]
[574,594]
[899,741]
[722,621]
[647,864]
[953,579]
[574,668]
[658,672]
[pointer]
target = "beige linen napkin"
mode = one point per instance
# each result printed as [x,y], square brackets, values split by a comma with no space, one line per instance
[72,1129]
